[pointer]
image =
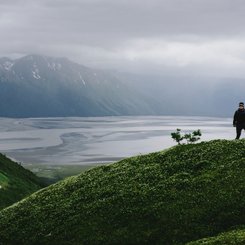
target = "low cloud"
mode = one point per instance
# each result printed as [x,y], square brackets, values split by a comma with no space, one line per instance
[204,37]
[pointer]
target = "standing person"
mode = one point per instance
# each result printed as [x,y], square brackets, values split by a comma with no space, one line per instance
[239,120]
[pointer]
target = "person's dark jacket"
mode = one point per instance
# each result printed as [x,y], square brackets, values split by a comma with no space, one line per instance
[239,117]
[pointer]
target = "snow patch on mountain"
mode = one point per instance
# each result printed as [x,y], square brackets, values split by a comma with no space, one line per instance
[8,65]
[81,78]
[54,66]
[35,72]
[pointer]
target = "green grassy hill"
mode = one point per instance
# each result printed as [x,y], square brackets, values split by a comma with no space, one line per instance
[176,196]
[15,182]
[236,237]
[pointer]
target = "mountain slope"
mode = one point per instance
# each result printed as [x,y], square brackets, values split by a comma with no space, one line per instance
[35,86]
[184,95]
[172,197]
[15,182]
[40,86]
[236,237]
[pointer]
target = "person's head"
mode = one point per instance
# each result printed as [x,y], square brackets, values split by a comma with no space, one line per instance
[241,105]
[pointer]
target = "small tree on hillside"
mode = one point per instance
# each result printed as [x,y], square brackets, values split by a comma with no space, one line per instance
[190,137]
[177,136]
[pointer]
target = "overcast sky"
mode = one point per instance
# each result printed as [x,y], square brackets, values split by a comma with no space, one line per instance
[201,37]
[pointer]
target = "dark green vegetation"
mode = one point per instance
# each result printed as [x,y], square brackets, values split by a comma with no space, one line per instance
[176,196]
[189,137]
[15,182]
[236,237]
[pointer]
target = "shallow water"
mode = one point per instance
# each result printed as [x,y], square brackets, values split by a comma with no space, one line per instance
[88,141]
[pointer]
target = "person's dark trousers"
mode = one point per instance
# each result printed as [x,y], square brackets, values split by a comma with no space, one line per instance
[239,129]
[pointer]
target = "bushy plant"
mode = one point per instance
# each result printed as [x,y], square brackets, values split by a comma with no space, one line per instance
[177,136]
[189,137]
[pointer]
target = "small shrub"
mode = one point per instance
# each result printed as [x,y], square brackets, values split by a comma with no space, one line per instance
[190,137]
[177,136]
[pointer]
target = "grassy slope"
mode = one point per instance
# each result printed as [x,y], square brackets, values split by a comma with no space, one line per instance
[171,197]
[15,181]
[236,237]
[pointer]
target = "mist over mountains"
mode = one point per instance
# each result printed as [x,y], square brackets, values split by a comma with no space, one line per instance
[35,86]
[40,86]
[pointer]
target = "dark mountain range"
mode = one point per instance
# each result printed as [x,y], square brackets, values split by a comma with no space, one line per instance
[39,86]
[35,86]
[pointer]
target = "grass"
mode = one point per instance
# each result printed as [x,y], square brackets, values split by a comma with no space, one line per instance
[3,178]
[236,237]
[15,182]
[173,197]
[3,181]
